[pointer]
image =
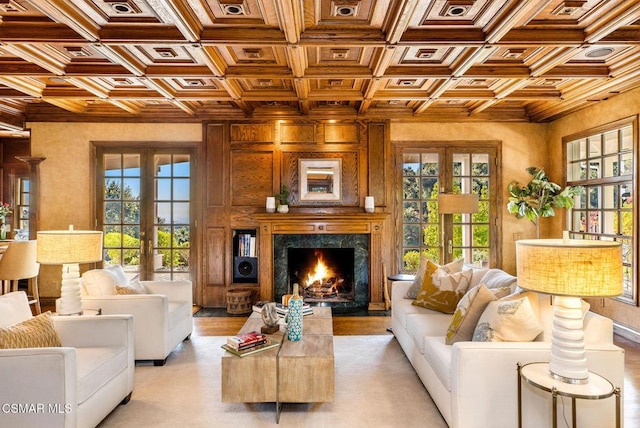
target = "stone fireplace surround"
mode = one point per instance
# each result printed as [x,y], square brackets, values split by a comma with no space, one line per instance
[360,244]
[370,224]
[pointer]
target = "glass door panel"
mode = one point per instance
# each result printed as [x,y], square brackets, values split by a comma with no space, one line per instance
[146,212]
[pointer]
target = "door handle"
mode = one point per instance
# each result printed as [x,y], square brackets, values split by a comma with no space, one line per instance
[450,246]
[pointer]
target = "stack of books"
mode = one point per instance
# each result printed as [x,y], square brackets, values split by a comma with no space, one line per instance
[248,343]
[282,309]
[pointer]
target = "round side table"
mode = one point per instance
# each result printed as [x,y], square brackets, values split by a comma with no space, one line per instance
[537,375]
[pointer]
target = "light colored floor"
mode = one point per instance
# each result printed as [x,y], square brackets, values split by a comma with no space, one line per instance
[377,325]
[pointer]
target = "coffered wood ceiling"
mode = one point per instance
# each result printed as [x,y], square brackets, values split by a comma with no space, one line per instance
[193,60]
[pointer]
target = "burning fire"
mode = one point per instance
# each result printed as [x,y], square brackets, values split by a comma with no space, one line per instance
[320,273]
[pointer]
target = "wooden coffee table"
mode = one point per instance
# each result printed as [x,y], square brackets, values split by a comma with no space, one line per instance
[295,372]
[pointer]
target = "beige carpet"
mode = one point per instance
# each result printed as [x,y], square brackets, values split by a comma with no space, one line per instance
[375,387]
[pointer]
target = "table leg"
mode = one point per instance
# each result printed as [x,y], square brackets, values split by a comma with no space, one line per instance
[554,395]
[519,397]
[573,412]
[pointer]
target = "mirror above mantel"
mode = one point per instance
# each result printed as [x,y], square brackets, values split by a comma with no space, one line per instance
[320,180]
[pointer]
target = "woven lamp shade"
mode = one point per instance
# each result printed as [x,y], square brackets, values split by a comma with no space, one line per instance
[69,246]
[449,203]
[570,267]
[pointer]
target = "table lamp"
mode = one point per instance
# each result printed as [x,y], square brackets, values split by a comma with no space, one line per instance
[69,248]
[569,269]
[455,203]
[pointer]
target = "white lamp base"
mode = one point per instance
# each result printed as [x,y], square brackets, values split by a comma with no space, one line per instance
[568,356]
[70,301]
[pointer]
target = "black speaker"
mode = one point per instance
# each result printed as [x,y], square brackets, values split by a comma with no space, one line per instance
[245,269]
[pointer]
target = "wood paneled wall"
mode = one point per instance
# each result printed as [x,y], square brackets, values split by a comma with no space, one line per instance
[248,161]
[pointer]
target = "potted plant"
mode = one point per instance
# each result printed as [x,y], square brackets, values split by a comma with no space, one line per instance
[283,199]
[539,197]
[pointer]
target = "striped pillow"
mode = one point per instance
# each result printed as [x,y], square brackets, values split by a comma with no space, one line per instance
[36,332]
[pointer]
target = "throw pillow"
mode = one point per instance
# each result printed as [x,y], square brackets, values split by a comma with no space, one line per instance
[414,289]
[508,321]
[497,278]
[134,287]
[469,311]
[36,332]
[14,308]
[102,282]
[442,291]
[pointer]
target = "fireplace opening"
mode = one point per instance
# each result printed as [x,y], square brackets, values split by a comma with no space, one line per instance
[323,274]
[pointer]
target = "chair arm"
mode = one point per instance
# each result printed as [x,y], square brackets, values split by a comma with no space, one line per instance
[86,331]
[177,290]
[43,378]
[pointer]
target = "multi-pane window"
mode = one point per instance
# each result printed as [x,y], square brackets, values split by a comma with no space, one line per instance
[145,211]
[22,209]
[425,174]
[601,162]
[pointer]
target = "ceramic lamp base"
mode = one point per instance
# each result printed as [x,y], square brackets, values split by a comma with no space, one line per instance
[568,356]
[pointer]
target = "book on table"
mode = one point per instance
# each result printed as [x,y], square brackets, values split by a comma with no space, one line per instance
[269,344]
[282,309]
[246,340]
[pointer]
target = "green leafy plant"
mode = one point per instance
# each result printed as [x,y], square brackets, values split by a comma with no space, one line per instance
[539,197]
[283,196]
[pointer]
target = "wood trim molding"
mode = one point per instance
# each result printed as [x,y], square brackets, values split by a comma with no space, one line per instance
[357,223]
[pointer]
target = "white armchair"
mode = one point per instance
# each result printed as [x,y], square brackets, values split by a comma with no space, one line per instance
[162,314]
[73,386]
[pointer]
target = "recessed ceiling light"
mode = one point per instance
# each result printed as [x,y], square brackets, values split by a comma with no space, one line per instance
[599,52]
[345,8]
[124,7]
[234,7]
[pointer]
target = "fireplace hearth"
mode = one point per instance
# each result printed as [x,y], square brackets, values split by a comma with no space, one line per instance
[331,270]
[323,274]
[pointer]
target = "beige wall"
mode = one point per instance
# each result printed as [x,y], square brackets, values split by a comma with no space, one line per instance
[618,107]
[65,182]
[523,145]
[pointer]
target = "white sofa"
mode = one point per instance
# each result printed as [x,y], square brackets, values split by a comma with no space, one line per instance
[162,316]
[474,384]
[73,386]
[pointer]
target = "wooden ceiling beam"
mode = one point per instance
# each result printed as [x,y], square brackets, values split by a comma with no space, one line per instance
[520,12]
[183,18]
[623,14]
[38,32]
[123,34]
[290,19]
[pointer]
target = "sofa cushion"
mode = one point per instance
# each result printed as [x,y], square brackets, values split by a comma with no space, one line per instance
[438,354]
[508,321]
[103,282]
[178,312]
[97,366]
[429,323]
[453,267]
[36,332]
[469,310]
[442,291]
[14,308]
[402,308]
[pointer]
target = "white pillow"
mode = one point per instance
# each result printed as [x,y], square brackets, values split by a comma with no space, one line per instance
[508,321]
[497,278]
[14,308]
[103,282]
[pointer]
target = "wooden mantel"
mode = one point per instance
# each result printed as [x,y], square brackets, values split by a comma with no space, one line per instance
[300,224]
